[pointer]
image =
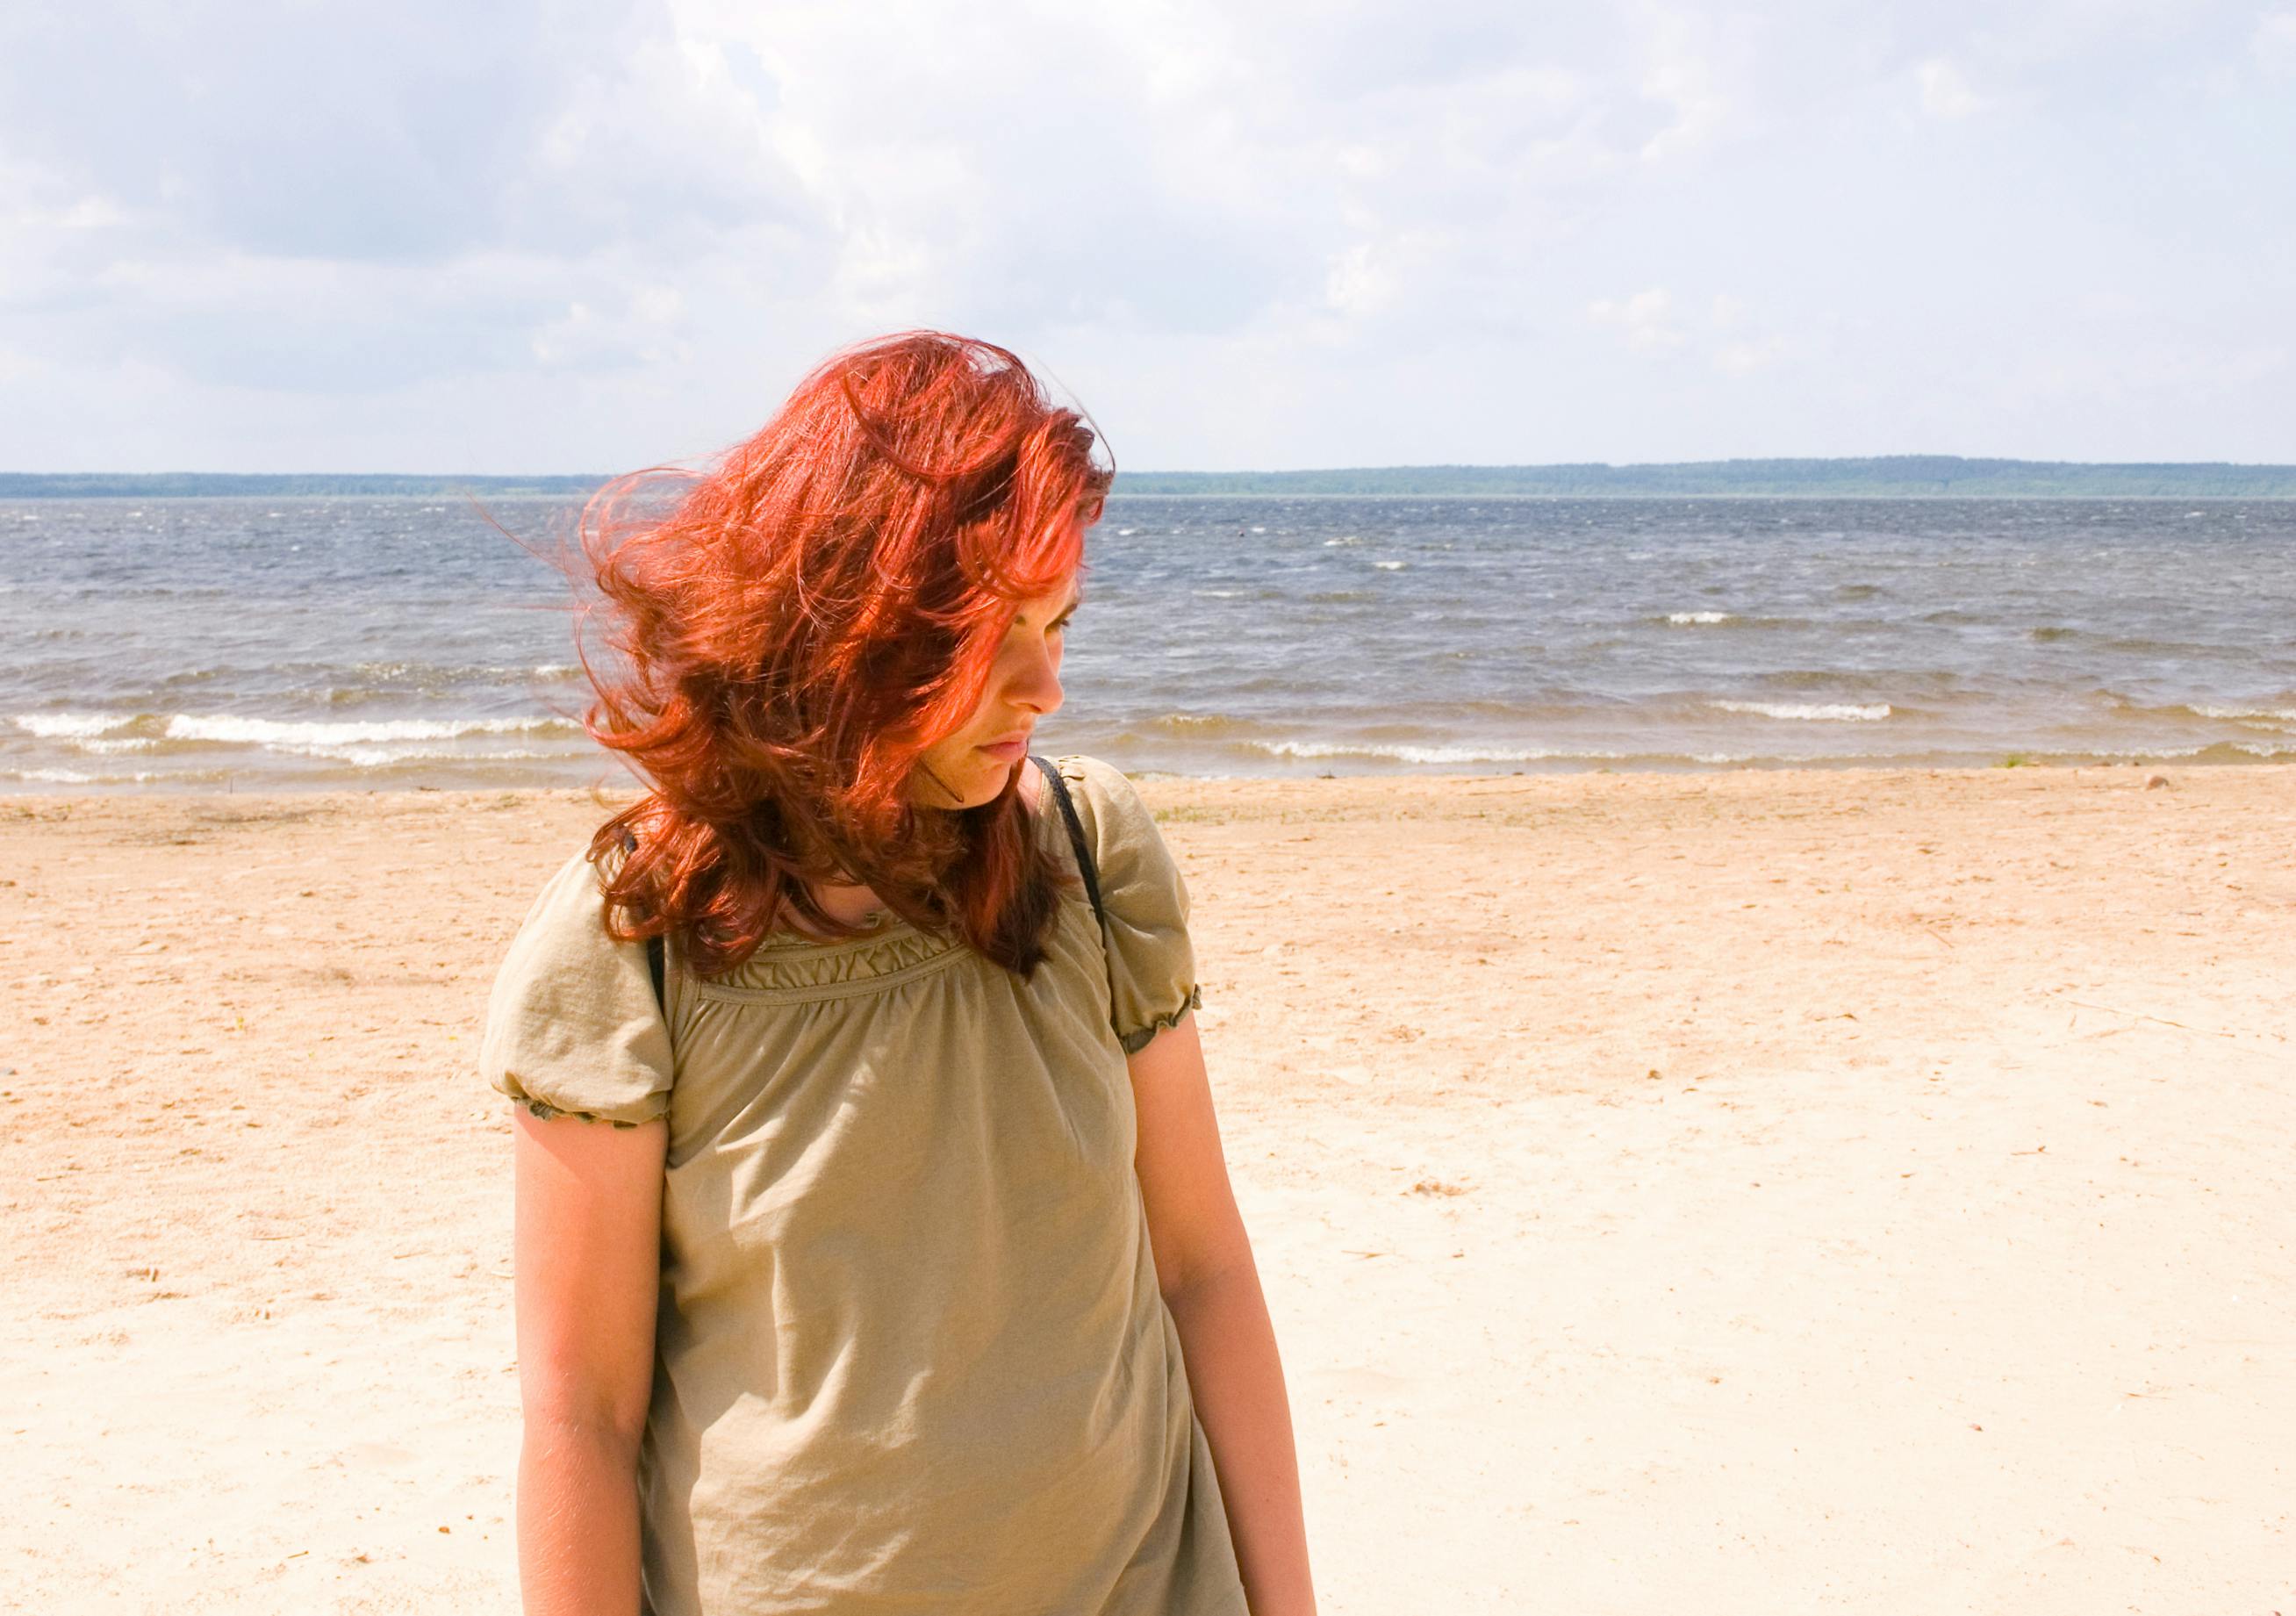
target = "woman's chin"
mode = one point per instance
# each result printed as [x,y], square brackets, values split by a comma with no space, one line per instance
[993,779]
[976,786]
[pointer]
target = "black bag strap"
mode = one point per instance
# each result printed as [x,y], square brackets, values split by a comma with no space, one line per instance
[656,961]
[1060,789]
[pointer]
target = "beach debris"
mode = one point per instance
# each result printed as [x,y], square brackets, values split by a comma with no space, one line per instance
[1436,1186]
[2154,782]
[2162,1020]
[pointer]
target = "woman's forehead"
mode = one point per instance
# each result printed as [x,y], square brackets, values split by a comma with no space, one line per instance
[1051,603]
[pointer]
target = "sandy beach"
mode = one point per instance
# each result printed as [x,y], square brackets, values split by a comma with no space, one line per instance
[1743,1192]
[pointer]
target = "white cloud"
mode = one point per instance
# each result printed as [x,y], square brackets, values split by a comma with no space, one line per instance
[572,233]
[1945,92]
[1740,344]
[1654,323]
[1646,320]
[1743,358]
[1357,284]
[1684,72]
[2274,44]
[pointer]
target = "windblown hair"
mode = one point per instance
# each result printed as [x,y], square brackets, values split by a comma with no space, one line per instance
[797,624]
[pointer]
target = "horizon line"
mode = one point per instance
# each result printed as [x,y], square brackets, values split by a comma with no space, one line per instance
[1903,459]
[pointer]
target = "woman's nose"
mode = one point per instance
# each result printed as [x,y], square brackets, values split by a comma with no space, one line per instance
[1036,684]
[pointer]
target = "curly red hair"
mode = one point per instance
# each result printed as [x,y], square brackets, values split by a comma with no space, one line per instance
[802,620]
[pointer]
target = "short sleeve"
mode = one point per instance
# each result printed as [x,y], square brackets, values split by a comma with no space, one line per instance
[573,1026]
[1151,962]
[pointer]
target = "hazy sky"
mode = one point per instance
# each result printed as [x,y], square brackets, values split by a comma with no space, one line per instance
[523,235]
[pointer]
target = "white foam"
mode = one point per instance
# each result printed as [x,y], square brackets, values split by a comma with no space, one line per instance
[2284,714]
[1698,616]
[1418,754]
[1823,710]
[67,725]
[376,757]
[1388,566]
[291,733]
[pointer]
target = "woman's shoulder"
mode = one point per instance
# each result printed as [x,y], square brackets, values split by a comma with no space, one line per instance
[573,1023]
[1120,829]
[567,913]
[1152,965]
[1107,800]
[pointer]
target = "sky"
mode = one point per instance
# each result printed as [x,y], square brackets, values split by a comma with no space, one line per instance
[591,235]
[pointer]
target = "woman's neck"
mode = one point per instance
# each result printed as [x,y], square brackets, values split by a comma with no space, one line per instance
[850,904]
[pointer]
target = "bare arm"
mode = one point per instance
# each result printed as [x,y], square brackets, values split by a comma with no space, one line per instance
[590,1264]
[1205,1270]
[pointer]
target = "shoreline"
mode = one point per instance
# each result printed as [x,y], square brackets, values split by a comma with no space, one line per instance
[261,785]
[1420,792]
[1667,1187]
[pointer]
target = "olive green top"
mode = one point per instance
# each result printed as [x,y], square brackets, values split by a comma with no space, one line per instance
[911,1354]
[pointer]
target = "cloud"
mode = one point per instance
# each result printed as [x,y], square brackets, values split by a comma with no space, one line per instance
[373,133]
[1654,322]
[1645,320]
[1684,75]
[2274,44]
[586,233]
[358,197]
[1945,92]
[1358,283]
[1743,358]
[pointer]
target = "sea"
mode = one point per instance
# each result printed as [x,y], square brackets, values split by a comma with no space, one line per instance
[264,644]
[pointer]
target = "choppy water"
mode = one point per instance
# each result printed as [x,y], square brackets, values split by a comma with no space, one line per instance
[395,643]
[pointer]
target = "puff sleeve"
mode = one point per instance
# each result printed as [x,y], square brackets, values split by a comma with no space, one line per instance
[572,1024]
[1151,962]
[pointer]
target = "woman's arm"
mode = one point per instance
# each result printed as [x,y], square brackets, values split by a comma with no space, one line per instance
[589,1268]
[1204,1267]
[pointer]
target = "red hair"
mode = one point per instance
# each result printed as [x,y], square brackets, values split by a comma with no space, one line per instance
[803,620]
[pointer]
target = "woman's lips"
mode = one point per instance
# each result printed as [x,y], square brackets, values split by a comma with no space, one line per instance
[1008,751]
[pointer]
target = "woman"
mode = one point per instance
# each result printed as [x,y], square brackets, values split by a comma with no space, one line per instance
[885,1260]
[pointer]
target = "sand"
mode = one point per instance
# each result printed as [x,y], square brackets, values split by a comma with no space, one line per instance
[1745,1191]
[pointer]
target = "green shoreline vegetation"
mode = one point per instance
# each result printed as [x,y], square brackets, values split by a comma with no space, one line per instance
[1883,477]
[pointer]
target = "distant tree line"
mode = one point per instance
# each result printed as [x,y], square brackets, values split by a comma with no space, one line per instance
[1883,477]
[1888,476]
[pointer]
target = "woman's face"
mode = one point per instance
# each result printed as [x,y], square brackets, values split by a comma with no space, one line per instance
[960,771]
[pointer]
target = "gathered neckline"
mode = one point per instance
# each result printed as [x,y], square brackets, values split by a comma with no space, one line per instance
[790,966]
[781,939]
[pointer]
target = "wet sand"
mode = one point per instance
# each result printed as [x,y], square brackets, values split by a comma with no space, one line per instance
[1747,1192]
